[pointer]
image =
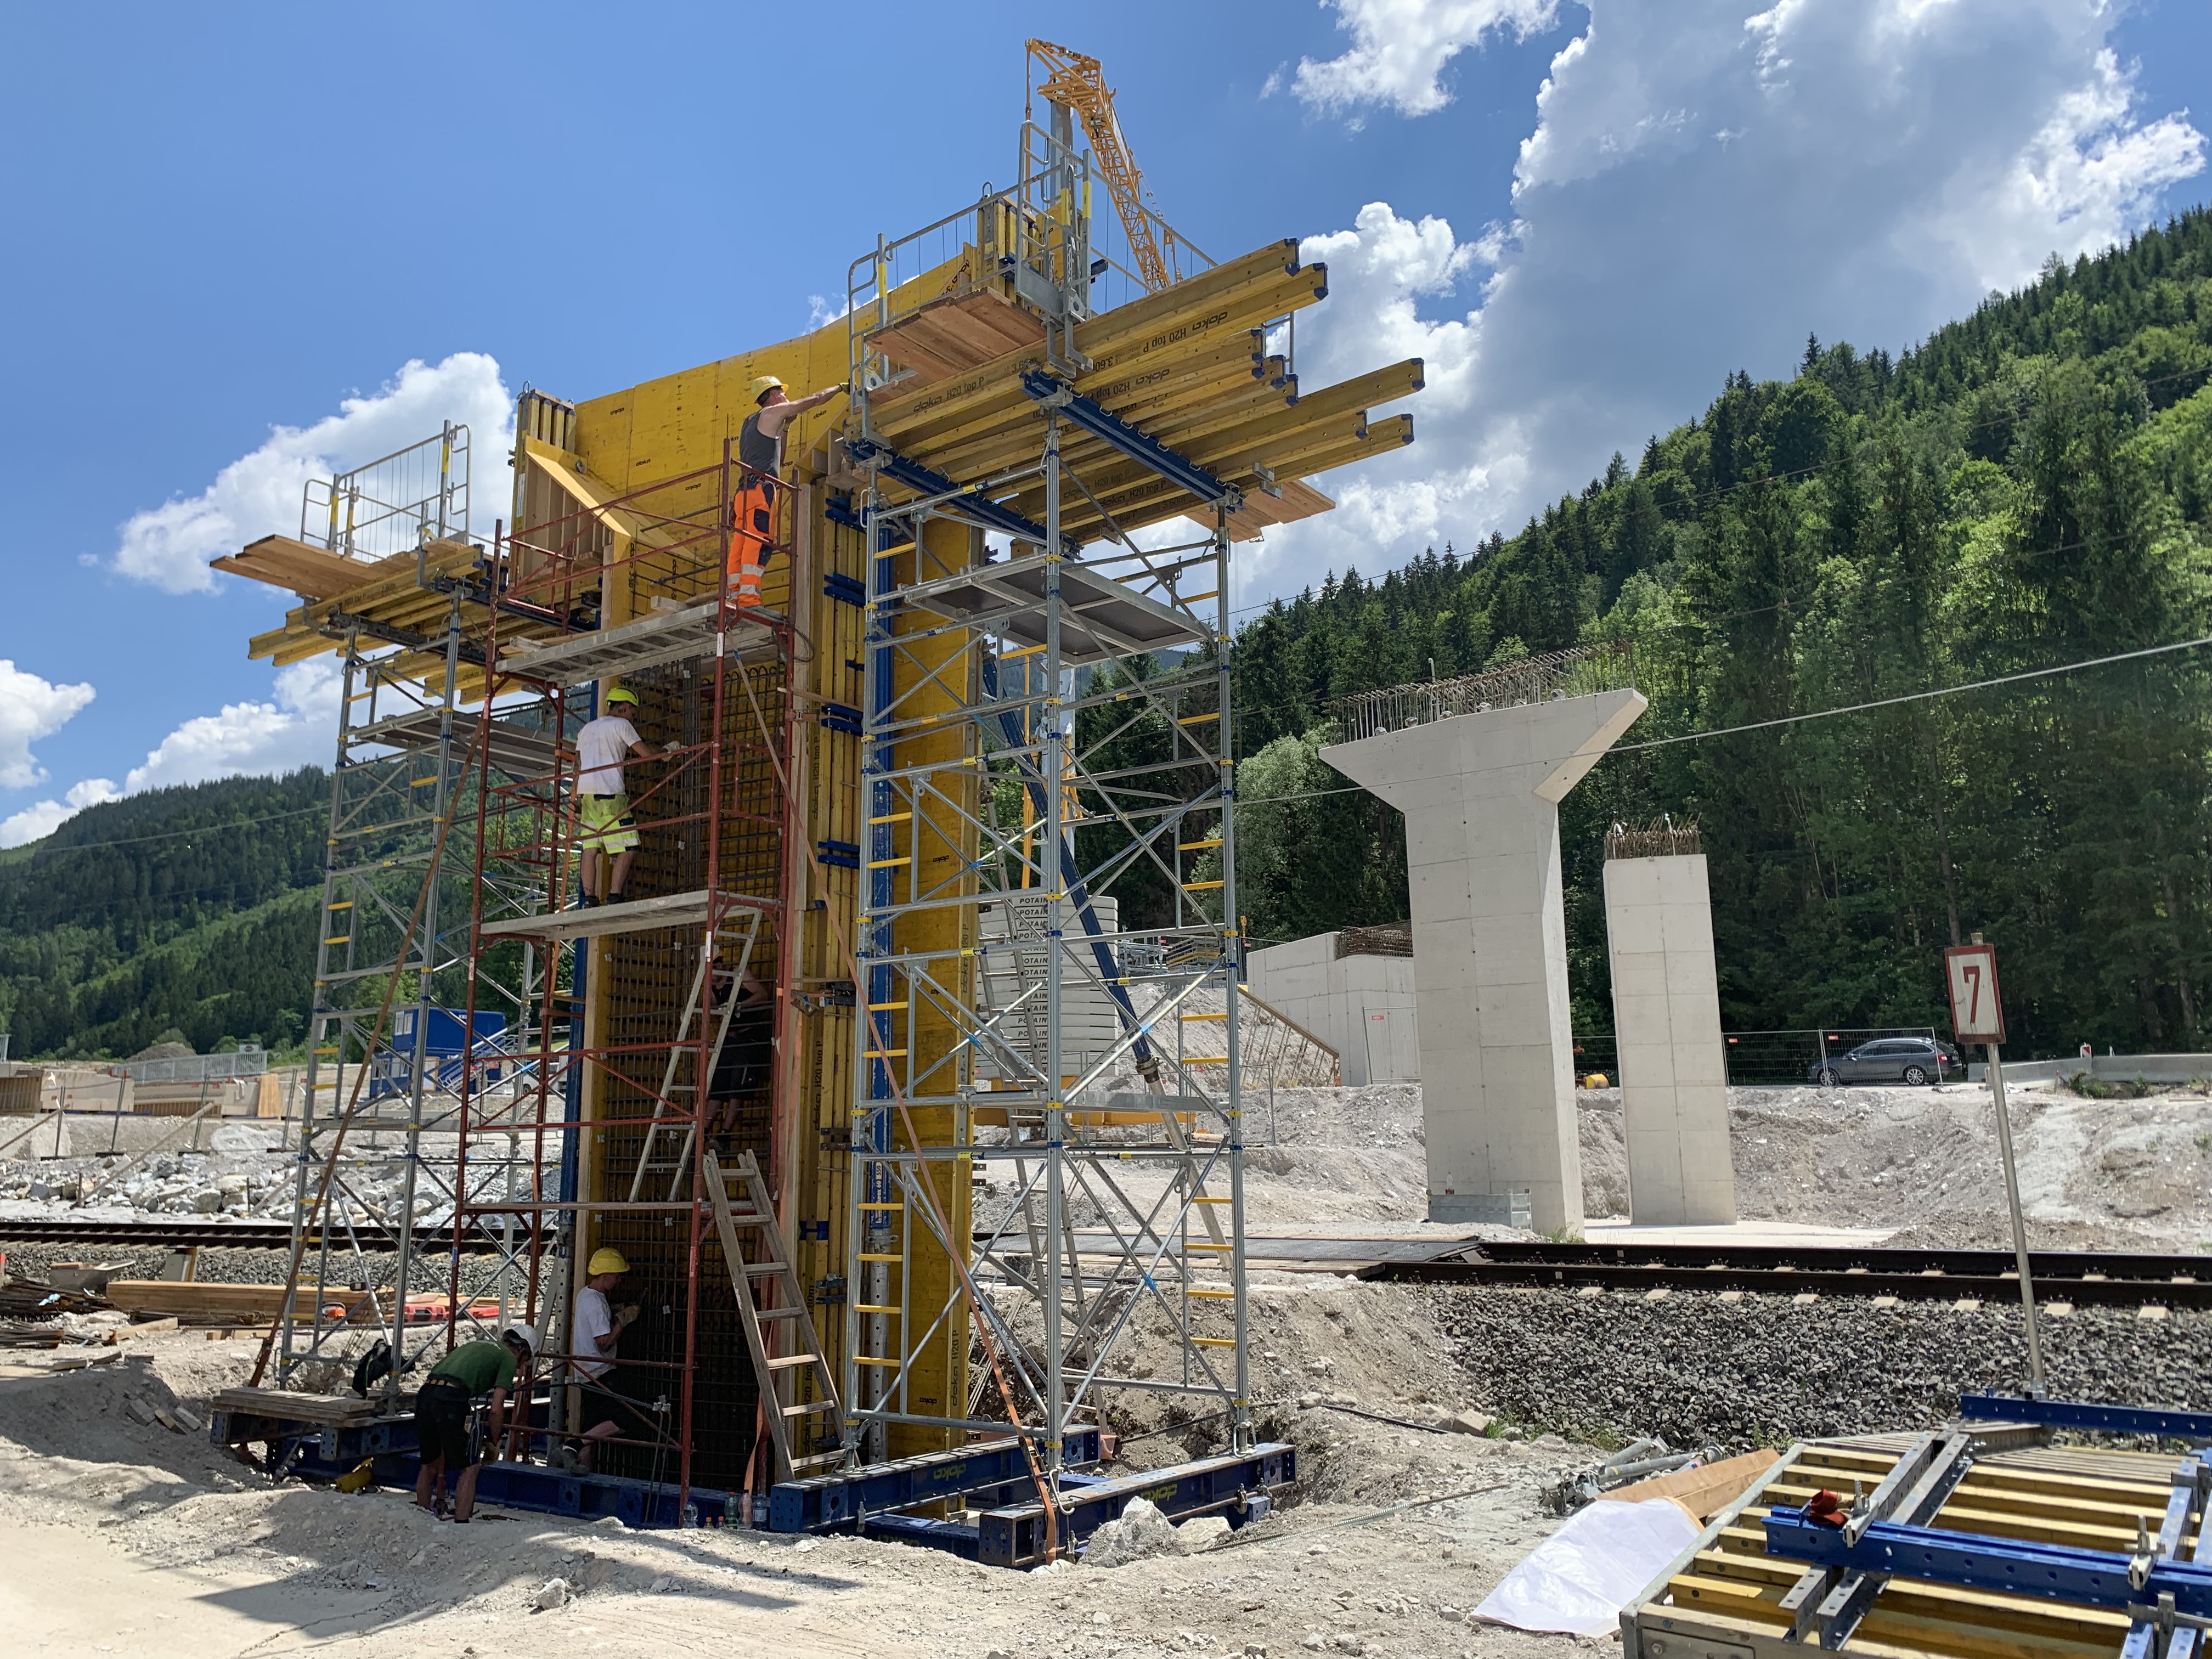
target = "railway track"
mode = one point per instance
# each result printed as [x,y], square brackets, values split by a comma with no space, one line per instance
[2081,1278]
[148,1233]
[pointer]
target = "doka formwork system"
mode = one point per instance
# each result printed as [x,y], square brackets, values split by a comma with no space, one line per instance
[992,391]
[983,924]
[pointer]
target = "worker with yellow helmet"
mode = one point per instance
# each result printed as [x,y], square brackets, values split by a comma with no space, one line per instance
[597,1327]
[760,456]
[607,833]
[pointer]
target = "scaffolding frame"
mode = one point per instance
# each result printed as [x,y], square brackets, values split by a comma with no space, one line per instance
[633,1081]
[1126,777]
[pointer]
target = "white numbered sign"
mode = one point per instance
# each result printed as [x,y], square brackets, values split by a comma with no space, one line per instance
[1976,1015]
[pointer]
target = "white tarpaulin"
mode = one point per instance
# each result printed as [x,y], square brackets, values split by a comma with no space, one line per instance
[1579,1578]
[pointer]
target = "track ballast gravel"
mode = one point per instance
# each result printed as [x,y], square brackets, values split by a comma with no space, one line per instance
[1765,1370]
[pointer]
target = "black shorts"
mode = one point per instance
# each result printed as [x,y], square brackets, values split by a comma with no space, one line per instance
[606,1401]
[441,1423]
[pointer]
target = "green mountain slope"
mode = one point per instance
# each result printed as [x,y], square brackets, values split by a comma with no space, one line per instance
[187,910]
[2031,487]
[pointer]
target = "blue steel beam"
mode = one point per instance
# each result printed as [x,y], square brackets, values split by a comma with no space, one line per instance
[837,1498]
[927,481]
[2054,1572]
[1115,433]
[2165,1421]
[1015,1536]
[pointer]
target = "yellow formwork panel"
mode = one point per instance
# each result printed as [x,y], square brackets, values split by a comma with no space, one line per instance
[663,427]
[934,677]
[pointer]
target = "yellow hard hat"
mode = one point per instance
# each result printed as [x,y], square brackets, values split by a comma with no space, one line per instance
[606,1259]
[619,694]
[761,388]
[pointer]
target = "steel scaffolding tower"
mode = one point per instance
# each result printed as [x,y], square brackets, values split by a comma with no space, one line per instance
[381,1062]
[1039,729]
[635,1001]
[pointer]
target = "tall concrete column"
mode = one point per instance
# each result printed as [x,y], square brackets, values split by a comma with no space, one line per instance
[1480,793]
[1667,1021]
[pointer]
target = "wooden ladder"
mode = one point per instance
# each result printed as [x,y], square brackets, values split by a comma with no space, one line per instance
[769,1267]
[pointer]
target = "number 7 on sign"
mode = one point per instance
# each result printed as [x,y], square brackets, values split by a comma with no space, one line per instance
[1976,1015]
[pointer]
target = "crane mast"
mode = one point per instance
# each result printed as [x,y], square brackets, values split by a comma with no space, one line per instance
[1077,82]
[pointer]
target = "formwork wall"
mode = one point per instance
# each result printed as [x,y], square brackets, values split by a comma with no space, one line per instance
[801,1127]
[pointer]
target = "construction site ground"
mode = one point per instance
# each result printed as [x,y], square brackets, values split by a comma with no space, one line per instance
[124,1535]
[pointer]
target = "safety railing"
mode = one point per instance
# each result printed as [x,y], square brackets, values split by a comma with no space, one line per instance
[1579,672]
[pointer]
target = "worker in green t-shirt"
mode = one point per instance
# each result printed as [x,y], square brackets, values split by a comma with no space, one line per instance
[442,1406]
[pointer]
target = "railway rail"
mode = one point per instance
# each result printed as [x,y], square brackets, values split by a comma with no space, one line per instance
[148,1233]
[2079,1278]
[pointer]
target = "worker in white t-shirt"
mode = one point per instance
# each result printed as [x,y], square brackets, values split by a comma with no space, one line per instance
[607,830]
[597,1327]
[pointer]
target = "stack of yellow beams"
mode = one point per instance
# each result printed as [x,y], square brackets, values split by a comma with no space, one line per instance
[391,595]
[1188,366]
[1732,1591]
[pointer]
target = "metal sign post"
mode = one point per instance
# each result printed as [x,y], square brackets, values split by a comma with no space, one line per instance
[1970,972]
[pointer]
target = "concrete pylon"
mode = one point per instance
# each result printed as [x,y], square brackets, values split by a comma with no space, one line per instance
[1481,795]
[1667,1023]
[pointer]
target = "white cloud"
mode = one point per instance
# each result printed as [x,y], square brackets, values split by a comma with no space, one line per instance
[1705,181]
[245,739]
[260,494]
[37,822]
[31,709]
[252,738]
[1400,49]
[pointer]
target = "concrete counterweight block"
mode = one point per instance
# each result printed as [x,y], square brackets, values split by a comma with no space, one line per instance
[1673,1059]
[1480,793]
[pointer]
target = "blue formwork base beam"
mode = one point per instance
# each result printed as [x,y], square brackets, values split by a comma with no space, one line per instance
[1115,433]
[926,481]
[641,1503]
[2164,1421]
[821,1502]
[320,1452]
[2054,1572]
[1238,1484]
[960,1538]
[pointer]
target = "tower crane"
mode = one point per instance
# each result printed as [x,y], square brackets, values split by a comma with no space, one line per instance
[1077,82]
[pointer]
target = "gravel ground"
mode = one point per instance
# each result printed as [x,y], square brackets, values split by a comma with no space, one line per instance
[234,1266]
[1763,1372]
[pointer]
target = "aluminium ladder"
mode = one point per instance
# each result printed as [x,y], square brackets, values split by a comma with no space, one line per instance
[753,1211]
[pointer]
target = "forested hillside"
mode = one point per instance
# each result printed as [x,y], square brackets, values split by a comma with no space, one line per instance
[2028,488]
[187,911]
[2031,487]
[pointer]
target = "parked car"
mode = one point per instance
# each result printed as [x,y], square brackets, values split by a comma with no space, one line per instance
[1912,1061]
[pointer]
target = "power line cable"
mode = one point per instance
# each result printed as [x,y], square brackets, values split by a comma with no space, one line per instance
[1820,713]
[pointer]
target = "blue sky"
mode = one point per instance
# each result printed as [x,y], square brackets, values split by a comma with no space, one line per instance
[228,220]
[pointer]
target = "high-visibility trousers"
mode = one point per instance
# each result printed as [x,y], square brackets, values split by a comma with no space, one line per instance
[752,533]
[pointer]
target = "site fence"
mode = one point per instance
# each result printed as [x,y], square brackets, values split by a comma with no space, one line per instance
[1760,1059]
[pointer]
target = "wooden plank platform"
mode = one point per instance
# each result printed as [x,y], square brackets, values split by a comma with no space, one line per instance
[632,917]
[676,635]
[946,336]
[313,572]
[1102,619]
